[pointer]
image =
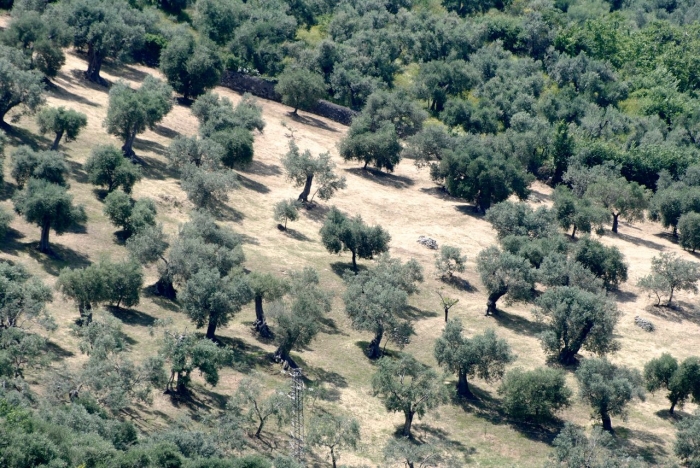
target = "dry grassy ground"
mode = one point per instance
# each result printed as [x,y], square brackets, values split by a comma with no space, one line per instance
[408,205]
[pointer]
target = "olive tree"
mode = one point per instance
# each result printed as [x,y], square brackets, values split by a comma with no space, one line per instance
[689,231]
[298,319]
[669,274]
[106,166]
[534,395]
[85,286]
[286,210]
[607,263]
[132,216]
[576,319]
[340,233]
[61,122]
[449,261]
[484,356]
[581,214]
[504,274]
[191,68]
[376,299]
[216,113]
[185,353]
[381,147]
[334,432]
[268,288]
[572,449]
[251,401]
[688,441]
[45,165]
[148,246]
[608,388]
[408,386]
[303,168]
[23,298]
[19,86]
[682,381]
[132,111]
[49,206]
[519,219]
[210,299]
[300,88]
[620,198]
[106,28]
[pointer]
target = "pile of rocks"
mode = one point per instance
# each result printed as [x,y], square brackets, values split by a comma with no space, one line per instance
[644,324]
[428,242]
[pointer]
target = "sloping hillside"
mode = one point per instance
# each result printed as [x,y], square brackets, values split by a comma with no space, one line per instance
[408,205]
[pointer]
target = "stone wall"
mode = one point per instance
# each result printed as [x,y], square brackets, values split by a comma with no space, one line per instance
[265,89]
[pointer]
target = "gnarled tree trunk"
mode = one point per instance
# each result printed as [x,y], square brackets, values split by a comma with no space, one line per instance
[44,241]
[94,66]
[211,329]
[56,141]
[373,350]
[128,149]
[407,423]
[492,300]
[615,222]
[463,389]
[607,422]
[260,324]
[304,195]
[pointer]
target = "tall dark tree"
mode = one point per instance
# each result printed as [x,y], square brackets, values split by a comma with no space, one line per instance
[376,299]
[50,207]
[340,233]
[132,111]
[484,356]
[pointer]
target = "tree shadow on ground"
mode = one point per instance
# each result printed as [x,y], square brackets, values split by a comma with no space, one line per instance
[160,301]
[165,132]
[212,399]
[340,268]
[57,352]
[676,312]
[386,352]
[59,258]
[77,77]
[441,193]
[382,178]
[245,356]
[421,430]
[7,190]
[459,283]
[152,168]
[132,316]
[77,172]
[315,212]
[226,212]
[148,145]
[294,234]
[469,210]
[330,377]
[623,296]
[18,136]
[637,241]
[250,184]
[330,327]
[666,235]
[486,407]
[518,324]
[261,169]
[311,121]
[677,415]
[11,244]
[125,71]
[414,313]
[65,95]
[641,443]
